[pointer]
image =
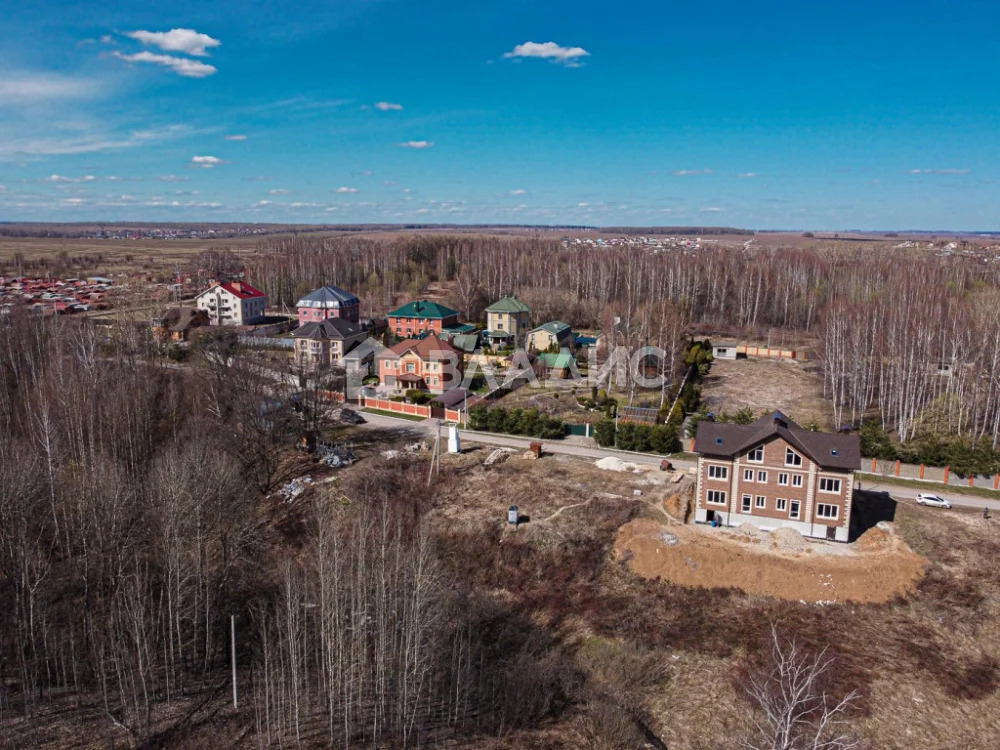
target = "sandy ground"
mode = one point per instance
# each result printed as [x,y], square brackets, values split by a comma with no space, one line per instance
[876,568]
[794,388]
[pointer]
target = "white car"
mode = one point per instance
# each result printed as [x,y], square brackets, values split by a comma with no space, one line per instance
[935,501]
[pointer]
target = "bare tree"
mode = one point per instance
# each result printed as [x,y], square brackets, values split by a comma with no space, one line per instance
[791,710]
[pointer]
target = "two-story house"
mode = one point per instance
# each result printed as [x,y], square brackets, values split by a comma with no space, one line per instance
[326,342]
[328,302]
[773,473]
[554,334]
[507,322]
[232,303]
[422,317]
[427,364]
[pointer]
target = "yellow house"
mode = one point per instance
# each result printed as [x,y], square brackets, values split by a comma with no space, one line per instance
[507,321]
[554,334]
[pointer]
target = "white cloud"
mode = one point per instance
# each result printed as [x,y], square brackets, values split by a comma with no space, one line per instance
[3,188]
[690,172]
[235,137]
[346,190]
[262,203]
[712,210]
[748,175]
[940,171]
[277,191]
[18,88]
[388,106]
[72,201]
[569,56]
[64,178]
[173,178]
[206,162]
[182,66]
[188,41]
[417,144]
[519,191]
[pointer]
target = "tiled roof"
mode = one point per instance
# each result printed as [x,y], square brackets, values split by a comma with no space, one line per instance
[239,289]
[430,348]
[509,305]
[555,327]
[422,309]
[828,450]
[331,328]
[328,297]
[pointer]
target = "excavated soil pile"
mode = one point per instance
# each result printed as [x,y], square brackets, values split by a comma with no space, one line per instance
[772,564]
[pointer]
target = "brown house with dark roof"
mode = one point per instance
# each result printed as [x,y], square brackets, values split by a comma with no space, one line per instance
[773,473]
[427,364]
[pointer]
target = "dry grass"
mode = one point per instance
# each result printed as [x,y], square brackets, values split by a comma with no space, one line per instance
[794,388]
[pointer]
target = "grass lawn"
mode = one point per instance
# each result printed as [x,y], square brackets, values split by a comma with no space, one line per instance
[957,489]
[397,415]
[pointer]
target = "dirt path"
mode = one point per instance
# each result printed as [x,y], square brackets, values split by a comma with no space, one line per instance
[875,569]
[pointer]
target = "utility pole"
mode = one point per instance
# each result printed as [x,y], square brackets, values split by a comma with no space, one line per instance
[435,455]
[232,654]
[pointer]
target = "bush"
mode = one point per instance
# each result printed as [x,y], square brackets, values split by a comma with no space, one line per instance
[527,422]
[642,438]
[417,396]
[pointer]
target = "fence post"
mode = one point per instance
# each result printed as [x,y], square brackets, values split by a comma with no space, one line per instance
[692,445]
[947,470]
[874,465]
[921,471]
[996,482]
[897,468]
[972,479]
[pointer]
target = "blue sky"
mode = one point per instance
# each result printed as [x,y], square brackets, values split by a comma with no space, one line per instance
[876,115]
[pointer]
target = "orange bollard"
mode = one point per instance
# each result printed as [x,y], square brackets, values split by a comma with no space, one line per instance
[996,482]
[947,470]
[971,480]
[921,471]
[874,467]
[897,468]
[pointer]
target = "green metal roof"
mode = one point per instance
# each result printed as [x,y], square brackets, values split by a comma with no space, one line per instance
[460,328]
[422,309]
[555,327]
[508,305]
[556,360]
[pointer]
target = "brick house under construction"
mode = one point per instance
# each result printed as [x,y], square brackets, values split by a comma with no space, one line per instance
[773,473]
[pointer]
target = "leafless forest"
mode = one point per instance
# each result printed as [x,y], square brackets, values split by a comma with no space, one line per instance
[133,526]
[884,320]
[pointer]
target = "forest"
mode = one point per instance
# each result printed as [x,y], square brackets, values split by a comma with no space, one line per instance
[908,337]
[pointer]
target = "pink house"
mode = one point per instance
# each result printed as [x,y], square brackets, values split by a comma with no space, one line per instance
[328,302]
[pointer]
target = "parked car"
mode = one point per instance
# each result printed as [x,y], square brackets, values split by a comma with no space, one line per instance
[934,501]
[351,417]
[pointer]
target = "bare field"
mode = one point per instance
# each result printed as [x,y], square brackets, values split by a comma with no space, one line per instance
[794,388]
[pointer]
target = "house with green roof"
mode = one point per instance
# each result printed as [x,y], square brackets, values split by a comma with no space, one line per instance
[554,365]
[507,321]
[422,317]
[555,333]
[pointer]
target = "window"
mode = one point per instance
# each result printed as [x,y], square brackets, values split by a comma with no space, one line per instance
[794,511]
[781,504]
[824,510]
[796,480]
[718,472]
[748,475]
[746,503]
[761,501]
[762,476]
[410,367]
[783,479]
[756,455]
[792,458]
[829,485]
[717,497]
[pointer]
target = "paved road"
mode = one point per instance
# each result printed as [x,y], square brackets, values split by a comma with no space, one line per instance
[910,493]
[428,428]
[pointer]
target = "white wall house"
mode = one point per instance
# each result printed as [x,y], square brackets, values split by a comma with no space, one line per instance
[234,303]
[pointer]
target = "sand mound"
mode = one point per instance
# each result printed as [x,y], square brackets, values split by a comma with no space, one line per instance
[704,558]
[788,539]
